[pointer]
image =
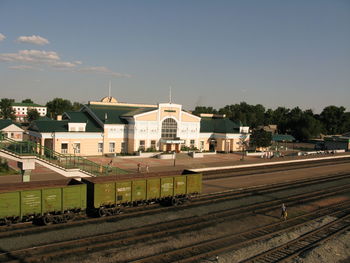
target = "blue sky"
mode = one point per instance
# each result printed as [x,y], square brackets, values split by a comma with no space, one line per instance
[212,53]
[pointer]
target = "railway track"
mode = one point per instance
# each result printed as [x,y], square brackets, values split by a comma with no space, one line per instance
[211,248]
[28,228]
[130,237]
[225,173]
[305,242]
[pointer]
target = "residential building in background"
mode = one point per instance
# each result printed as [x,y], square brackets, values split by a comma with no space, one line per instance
[21,110]
[11,130]
[108,127]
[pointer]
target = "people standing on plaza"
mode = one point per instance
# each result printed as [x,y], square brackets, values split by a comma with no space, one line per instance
[284,212]
[147,168]
[139,167]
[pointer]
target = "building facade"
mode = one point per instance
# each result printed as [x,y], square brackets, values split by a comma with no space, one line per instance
[11,130]
[108,127]
[21,110]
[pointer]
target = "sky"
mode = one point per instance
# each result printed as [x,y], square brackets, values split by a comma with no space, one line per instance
[211,53]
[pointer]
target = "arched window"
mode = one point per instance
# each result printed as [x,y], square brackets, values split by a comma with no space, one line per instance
[169,128]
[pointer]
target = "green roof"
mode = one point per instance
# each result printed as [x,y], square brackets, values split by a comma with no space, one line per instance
[219,125]
[282,138]
[114,113]
[6,123]
[83,117]
[26,104]
[62,126]
[49,126]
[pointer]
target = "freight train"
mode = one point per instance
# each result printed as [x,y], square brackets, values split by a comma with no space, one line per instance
[58,201]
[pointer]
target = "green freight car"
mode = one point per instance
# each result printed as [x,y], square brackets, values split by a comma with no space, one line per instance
[106,195]
[48,202]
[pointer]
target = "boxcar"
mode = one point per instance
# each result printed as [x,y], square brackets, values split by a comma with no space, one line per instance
[106,195]
[49,202]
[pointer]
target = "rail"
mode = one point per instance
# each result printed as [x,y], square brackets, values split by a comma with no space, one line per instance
[66,161]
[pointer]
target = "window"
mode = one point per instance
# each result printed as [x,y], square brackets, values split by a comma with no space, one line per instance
[100,147]
[142,145]
[76,147]
[153,144]
[192,143]
[12,135]
[169,129]
[112,147]
[123,147]
[64,148]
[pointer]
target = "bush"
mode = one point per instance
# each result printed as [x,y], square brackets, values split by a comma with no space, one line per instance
[4,166]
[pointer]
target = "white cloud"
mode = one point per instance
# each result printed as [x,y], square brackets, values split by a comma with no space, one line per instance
[52,60]
[103,70]
[49,58]
[2,37]
[37,40]
[24,67]
[34,56]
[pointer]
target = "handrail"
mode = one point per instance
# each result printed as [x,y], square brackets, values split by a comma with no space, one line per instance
[67,161]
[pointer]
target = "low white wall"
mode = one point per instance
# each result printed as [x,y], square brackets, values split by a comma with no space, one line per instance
[147,154]
[166,156]
[255,154]
[196,154]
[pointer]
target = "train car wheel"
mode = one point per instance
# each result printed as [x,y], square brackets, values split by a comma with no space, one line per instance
[47,219]
[102,212]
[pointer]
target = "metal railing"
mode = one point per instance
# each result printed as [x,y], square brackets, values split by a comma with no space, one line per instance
[67,161]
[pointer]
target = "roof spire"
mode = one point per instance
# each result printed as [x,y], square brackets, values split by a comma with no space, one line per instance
[170,94]
[109,90]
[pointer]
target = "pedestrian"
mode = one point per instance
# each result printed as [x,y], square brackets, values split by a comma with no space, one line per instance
[139,167]
[284,212]
[147,168]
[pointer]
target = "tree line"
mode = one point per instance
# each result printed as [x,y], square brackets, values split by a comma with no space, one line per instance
[302,124]
[55,107]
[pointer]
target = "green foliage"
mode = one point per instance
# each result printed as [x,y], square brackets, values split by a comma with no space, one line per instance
[151,149]
[260,138]
[58,106]
[334,119]
[27,101]
[77,106]
[250,115]
[33,115]
[202,109]
[6,110]
[4,167]
[303,125]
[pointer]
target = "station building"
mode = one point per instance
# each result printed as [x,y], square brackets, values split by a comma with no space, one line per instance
[108,126]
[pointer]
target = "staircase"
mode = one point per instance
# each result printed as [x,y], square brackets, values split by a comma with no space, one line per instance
[65,164]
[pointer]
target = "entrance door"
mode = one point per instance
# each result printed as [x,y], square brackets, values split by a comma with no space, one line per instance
[168,147]
[177,148]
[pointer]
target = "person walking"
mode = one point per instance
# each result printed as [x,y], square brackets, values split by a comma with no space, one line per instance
[147,168]
[284,212]
[139,167]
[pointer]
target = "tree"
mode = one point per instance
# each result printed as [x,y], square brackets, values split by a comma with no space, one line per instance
[6,110]
[243,144]
[33,115]
[27,101]
[202,109]
[77,106]
[58,106]
[260,138]
[332,118]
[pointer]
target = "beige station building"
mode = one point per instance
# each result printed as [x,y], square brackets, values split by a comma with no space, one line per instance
[110,127]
